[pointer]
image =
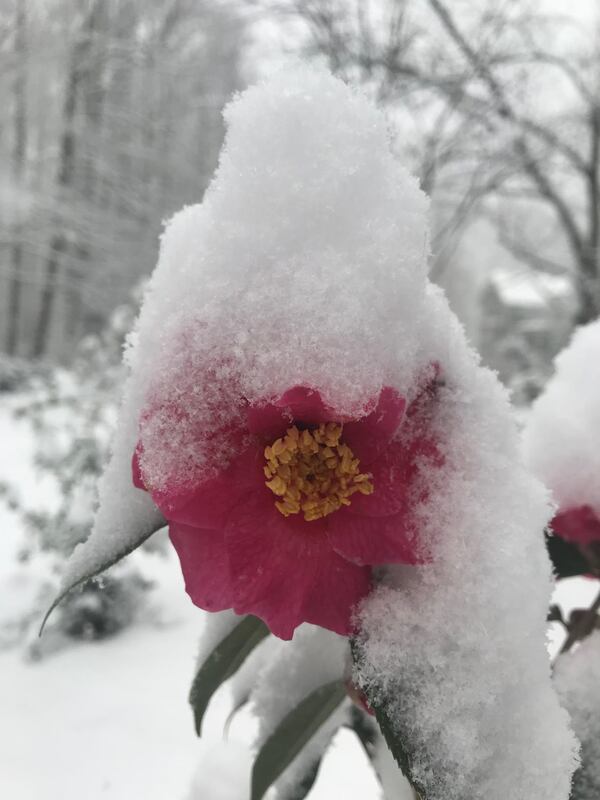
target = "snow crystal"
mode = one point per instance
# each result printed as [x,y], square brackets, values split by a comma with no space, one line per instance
[562,433]
[577,679]
[306,264]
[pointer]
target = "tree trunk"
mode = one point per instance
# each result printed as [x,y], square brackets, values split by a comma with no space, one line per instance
[18,174]
[588,290]
[59,241]
[92,92]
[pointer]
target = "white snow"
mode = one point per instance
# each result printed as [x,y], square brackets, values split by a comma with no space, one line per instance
[306,263]
[563,429]
[456,648]
[577,678]
[105,720]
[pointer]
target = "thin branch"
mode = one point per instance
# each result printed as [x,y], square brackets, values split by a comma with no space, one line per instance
[519,248]
[585,623]
[505,111]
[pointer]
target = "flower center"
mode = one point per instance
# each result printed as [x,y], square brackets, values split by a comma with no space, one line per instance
[313,472]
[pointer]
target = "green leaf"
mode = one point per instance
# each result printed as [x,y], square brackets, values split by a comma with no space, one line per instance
[224,661]
[101,566]
[398,748]
[292,734]
[567,559]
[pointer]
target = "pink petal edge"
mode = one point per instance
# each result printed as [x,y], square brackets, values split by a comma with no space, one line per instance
[205,566]
[306,406]
[369,436]
[208,504]
[580,525]
[136,472]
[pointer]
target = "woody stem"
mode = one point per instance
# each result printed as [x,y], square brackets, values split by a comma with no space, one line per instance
[582,627]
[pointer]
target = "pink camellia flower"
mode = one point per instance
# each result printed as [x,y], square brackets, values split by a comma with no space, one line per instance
[579,525]
[290,529]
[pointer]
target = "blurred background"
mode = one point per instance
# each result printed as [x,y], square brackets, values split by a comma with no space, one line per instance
[111,121]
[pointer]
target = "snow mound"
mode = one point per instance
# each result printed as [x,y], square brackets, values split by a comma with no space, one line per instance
[455,650]
[577,679]
[563,431]
[306,264]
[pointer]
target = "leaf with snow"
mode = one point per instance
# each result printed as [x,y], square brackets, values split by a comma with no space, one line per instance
[294,731]
[226,658]
[90,568]
[396,739]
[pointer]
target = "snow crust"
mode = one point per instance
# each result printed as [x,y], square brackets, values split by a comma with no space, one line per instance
[577,679]
[563,430]
[306,264]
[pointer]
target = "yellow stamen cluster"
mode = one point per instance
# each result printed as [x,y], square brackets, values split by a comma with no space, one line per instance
[313,472]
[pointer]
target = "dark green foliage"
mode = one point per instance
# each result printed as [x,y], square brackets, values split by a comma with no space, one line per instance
[566,557]
[291,735]
[224,661]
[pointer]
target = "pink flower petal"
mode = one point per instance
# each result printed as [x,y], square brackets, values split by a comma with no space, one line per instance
[284,569]
[580,525]
[297,405]
[394,476]
[268,421]
[375,540]
[337,589]
[136,473]
[205,566]
[209,504]
[368,437]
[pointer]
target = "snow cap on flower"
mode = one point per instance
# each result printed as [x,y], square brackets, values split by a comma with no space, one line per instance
[562,436]
[285,358]
[305,264]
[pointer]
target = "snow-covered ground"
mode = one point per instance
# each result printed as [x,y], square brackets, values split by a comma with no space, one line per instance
[110,719]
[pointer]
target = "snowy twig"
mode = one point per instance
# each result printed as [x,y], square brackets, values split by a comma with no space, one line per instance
[583,626]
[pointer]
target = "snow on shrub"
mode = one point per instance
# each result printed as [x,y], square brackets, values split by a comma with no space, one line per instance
[288,308]
[562,437]
[72,413]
